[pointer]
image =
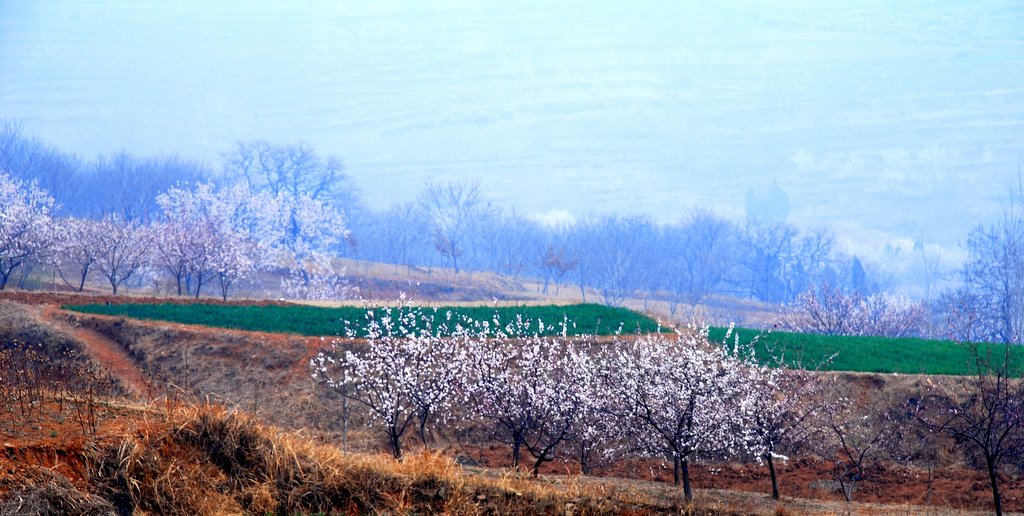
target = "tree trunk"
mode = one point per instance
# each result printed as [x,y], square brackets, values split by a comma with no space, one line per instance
[422,430]
[847,488]
[5,273]
[687,489]
[546,454]
[994,481]
[225,285]
[775,479]
[396,445]
[584,462]
[536,465]
[85,273]
[516,450]
[676,477]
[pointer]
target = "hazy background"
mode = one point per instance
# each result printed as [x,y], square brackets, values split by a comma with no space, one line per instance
[893,122]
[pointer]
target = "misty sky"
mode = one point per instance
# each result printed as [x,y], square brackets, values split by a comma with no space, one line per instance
[894,122]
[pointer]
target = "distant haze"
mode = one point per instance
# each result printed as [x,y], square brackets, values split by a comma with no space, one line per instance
[889,120]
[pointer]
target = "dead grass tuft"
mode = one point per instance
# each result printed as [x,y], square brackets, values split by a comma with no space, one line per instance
[53,493]
[23,324]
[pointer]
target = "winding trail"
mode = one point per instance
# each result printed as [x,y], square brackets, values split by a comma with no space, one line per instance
[105,352]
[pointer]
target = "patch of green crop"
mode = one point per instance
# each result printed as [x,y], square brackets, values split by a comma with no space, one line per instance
[868,354]
[320,321]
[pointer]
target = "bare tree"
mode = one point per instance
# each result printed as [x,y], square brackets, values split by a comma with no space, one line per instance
[619,265]
[453,209]
[555,264]
[507,242]
[994,275]
[400,235]
[928,268]
[294,170]
[698,255]
[777,262]
[784,402]
[854,433]
[987,416]
[710,241]
[583,242]
[127,186]
[32,160]
[766,250]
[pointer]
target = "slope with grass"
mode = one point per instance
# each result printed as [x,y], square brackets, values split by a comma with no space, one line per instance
[205,459]
[321,321]
[866,354]
[267,376]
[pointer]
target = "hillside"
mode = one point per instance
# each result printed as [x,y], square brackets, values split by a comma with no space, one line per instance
[267,376]
[198,460]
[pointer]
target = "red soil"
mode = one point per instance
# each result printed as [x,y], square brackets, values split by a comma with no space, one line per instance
[107,354]
[955,487]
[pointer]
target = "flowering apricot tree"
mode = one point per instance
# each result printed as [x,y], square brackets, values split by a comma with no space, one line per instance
[76,251]
[830,311]
[123,247]
[533,389]
[406,375]
[205,236]
[680,397]
[26,229]
[301,233]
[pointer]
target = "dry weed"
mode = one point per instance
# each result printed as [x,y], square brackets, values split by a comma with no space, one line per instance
[205,459]
[53,493]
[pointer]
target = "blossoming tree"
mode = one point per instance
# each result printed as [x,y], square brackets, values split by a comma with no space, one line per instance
[26,229]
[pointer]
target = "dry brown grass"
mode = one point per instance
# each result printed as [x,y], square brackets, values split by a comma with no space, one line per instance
[21,323]
[52,493]
[209,460]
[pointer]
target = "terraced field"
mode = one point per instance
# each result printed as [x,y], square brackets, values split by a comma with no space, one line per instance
[319,321]
[869,354]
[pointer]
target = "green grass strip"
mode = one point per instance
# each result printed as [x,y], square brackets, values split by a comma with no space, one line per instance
[872,354]
[319,321]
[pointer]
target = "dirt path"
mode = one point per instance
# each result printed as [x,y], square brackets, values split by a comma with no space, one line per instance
[106,353]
